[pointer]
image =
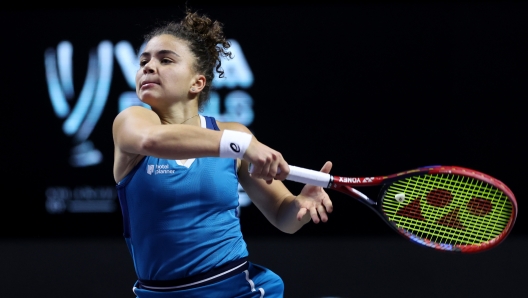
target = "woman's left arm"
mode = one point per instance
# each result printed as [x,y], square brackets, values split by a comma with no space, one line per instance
[284,210]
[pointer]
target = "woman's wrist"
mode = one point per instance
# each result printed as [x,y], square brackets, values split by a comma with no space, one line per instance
[234,144]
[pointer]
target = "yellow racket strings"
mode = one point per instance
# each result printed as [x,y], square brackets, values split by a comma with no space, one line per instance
[447,208]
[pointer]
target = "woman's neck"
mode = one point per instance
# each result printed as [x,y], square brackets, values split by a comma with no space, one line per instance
[179,115]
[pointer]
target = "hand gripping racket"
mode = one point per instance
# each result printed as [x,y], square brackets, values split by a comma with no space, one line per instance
[446,208]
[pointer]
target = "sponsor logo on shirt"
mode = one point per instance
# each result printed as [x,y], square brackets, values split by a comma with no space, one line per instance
[159,169]
[150,169]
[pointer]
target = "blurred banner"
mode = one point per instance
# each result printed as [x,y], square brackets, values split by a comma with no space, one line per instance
[374,88]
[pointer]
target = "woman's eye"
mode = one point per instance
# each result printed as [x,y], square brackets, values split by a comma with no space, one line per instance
[166,60]
[142,62]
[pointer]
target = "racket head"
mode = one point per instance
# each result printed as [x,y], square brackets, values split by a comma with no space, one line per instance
[448,208]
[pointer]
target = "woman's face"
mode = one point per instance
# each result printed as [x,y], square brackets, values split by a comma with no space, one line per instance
[165,70]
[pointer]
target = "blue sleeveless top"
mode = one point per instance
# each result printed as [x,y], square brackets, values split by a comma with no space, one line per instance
[179,221]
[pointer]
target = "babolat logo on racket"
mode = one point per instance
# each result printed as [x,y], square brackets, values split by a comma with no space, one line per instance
[235,147]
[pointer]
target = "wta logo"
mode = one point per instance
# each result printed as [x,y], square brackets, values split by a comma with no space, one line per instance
[80,111]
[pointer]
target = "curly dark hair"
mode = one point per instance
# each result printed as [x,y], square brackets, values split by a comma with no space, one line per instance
[206,41]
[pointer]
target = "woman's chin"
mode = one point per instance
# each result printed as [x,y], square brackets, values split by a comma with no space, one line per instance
[148,98]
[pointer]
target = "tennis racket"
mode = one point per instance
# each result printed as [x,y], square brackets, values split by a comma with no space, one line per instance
[447,208]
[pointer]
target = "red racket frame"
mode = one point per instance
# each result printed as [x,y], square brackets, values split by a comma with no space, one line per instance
[346,184]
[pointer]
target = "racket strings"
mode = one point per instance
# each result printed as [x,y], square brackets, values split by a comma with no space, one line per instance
[453,216]
[447,208]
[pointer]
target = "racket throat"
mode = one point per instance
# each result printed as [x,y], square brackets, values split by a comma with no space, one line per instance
[353,192]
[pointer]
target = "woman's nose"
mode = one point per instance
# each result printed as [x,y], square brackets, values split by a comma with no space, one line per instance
[148,68]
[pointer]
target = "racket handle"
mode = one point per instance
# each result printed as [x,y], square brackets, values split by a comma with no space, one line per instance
[306,176]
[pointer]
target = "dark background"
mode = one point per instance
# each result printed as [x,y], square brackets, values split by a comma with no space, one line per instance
[375,87]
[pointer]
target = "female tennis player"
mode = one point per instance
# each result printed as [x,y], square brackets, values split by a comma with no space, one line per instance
[177,175]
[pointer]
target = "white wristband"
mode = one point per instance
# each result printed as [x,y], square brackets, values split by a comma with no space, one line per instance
[234,144]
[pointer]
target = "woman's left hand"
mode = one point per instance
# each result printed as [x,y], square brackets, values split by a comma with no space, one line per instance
[315,200]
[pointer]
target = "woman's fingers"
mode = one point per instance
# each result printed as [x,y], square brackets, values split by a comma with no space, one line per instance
[301,213]
[266,163]
[322,213]
[327,167]
[314,214]
[327,203]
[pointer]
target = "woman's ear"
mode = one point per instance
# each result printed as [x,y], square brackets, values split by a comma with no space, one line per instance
[198,84]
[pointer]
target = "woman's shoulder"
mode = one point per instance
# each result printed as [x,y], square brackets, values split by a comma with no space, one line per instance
[136,113]
[136,110]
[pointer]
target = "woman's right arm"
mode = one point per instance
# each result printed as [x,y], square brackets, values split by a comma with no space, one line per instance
[139,131]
